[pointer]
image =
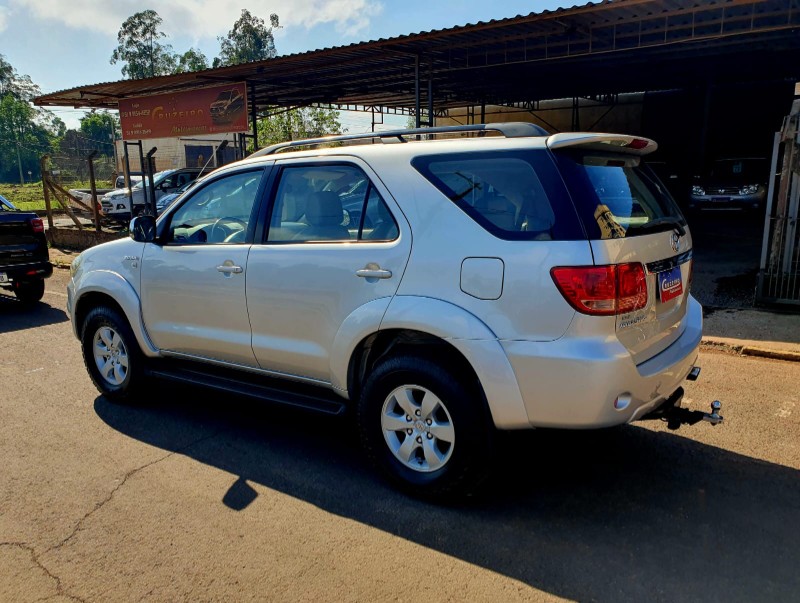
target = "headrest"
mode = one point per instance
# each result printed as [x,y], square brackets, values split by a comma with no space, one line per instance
[493,204]
[324,209]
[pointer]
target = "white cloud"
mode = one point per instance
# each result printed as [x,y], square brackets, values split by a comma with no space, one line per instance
[204,18]
[3,18]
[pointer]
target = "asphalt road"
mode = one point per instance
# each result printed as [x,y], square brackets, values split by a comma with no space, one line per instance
[727,251]
[194,497]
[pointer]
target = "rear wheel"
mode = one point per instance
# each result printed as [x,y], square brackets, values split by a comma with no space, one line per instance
[111,354]
[29,292]
[425,430]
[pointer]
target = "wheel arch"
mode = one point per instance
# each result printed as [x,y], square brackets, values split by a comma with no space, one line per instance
[111,289]
[436,328]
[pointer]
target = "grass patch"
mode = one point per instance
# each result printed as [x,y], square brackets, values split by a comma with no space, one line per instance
[29,197]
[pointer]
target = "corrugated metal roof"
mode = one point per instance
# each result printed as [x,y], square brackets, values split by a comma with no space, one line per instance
[606,47]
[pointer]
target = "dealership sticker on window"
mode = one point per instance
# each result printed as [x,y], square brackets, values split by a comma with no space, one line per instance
[670,284]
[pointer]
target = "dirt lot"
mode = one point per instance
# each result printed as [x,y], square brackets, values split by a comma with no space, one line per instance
[196,497]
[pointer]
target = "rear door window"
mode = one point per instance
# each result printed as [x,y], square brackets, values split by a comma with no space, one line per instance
[515,195]
[328,202]
[617,196]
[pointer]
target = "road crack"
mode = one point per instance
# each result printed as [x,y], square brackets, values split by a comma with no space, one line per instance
[99,505]
[60,590]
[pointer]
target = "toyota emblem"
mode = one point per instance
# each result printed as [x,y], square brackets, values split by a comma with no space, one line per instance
[675,241]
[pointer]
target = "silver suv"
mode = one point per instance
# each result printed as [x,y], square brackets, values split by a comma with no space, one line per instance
[440,289]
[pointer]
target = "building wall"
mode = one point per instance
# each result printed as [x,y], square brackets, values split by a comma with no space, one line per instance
[172,152]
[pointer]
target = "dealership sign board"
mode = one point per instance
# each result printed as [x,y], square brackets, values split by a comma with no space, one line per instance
[206,111]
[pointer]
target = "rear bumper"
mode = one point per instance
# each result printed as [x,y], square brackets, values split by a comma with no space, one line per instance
[573,382]
[32,271]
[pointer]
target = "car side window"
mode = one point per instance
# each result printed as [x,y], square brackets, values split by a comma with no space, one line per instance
[218,213]
[330,203]
[378,223]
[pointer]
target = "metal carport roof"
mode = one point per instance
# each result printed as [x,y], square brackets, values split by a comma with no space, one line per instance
[605,48]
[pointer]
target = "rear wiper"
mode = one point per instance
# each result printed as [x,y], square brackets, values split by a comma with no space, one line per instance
[660,222]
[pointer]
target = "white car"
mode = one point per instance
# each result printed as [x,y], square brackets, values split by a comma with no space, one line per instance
[116,204]
[497,282]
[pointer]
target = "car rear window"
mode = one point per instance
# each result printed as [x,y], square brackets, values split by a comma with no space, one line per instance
[617,196]
[515,195]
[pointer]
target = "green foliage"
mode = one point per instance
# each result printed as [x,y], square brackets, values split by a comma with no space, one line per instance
[139,47]
[15,84]
[23,138]
[295,124]
[249,40]
[191,60]
[28,196]
[26,132]
[100,129]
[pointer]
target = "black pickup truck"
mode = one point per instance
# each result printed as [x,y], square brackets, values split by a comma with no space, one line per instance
[24,259]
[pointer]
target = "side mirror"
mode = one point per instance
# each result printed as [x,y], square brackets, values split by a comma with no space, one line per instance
[143,229]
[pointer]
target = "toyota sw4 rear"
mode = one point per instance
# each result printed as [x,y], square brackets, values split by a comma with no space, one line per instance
[442,289]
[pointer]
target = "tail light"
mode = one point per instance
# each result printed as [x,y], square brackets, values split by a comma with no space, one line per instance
[603,290]
[37,225]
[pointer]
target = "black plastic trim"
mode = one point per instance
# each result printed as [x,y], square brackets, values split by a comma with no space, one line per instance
[251,385]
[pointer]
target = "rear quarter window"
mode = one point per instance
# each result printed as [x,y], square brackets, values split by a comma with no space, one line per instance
[515,195]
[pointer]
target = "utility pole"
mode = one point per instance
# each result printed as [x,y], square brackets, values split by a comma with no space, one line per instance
[19,164]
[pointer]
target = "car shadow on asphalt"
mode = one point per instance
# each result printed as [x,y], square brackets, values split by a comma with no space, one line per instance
[16,316]
[624,514]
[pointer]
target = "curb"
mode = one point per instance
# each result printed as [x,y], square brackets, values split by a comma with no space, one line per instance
[749,350]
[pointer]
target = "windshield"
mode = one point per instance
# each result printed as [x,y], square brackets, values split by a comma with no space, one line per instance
[5,205]
[736,170]
[618,196]
[157,178]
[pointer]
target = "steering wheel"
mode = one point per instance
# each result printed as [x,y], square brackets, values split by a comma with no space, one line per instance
[226,232]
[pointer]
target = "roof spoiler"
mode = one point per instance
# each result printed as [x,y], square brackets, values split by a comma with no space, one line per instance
[618,143]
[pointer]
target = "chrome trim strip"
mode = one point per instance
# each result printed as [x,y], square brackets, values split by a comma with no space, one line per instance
[669,263]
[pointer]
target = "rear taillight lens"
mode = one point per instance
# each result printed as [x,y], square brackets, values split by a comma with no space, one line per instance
[37,225]
[603,290]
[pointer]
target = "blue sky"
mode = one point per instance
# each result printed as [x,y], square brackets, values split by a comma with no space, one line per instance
[65,44]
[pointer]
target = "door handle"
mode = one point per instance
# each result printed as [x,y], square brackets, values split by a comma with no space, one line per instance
[373,271]
[230,269]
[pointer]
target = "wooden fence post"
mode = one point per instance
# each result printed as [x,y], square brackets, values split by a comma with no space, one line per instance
[45,176]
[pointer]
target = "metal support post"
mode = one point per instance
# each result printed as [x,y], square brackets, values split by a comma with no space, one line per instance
[417,107]
[430,101]
[151,194]
[254,116]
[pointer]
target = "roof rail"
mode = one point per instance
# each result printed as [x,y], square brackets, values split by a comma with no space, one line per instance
[509,130]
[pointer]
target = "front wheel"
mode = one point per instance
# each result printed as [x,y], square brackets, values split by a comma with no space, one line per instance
[425,430]
[111,354]
[29,293]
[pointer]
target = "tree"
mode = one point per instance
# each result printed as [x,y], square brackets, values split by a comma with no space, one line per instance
[295,124]
[25,131]
[139,47]
[191,60]
[99,130]
[12,82]
[23,139]
[249,40]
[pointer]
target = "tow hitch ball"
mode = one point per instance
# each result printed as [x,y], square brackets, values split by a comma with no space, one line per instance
[677,416]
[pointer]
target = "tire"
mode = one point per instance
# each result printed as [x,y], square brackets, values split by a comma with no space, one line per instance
[449,447]
[29,292]
[107,337]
